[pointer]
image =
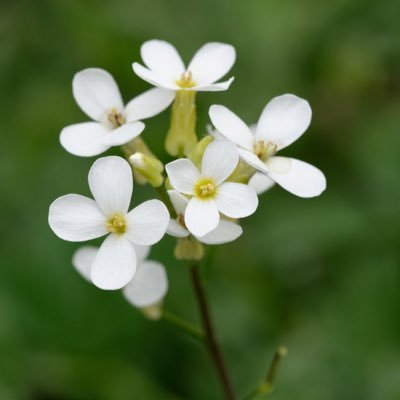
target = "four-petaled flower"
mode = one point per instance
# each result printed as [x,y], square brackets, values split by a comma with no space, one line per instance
[226,231]
[77,218]
[165,68]
[283,120]
[208,191]
[147,288]
[98,96]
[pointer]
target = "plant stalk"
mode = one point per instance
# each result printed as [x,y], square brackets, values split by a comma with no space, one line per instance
[213,346]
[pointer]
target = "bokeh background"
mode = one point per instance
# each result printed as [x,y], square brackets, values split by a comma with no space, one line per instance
[320,276]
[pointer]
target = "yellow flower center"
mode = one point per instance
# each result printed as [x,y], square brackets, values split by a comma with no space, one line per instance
[186,81]
[116,224]
[264,150]
[115,118]
[205,188]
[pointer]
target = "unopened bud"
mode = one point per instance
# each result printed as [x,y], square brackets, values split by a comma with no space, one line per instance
[152,312]
[189,248]
[196,154]
[148,167]
[242,173]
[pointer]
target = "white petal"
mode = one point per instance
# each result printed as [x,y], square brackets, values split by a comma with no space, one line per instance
[250,158]
[148,104]
[115,263]
[85,140]
[236,200]
[76,218]
[297,177]
[178,200]
[153,78]
[231,126]
[162,58]
[83,259]
[283,120]
[142,252]
[183,175]
[111,183]
[96,93]
[147,223]
[261,182]
[225,232]
[211,62]
[149,285]
[214,87]
[176,229]
[219,160]
[123,134]
[201,216]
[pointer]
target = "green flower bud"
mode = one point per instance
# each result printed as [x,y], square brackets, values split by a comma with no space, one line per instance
[148,167]
[196,154]
[189,248]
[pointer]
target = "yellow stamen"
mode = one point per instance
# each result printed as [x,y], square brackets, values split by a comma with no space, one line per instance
[115,118]
[205,188]
[116,224]
[181,220]
[186,81]
[264,150]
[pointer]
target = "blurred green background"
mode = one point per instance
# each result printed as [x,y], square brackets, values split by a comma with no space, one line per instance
[320,276]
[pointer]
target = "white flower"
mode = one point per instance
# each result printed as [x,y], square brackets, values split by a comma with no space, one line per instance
[283,120]
[98,96]
[210,195]
[261,183]
[225,232]
[77,218]
[165,68]
[148,286]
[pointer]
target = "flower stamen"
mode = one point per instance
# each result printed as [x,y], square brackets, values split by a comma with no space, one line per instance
[264,150]
[115,118]
[116,224]
[181,220]
[186,81]
[205,188]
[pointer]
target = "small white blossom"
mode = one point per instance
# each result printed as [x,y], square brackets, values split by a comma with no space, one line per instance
[283,120]
[77,218]
[209,192]
[147,288]
[98,96]
[165,68]
[225,232]
[261,183]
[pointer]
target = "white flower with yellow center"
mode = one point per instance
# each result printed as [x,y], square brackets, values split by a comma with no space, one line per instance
[149,284]
[209,194]
[165,68]
[77,218]
[98,96]
[283,120]
[226,231]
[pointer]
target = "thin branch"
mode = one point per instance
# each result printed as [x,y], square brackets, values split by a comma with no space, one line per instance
[183,325]
[213,346]
[266,385]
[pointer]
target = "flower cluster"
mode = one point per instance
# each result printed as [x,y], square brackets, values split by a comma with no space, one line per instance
[208,188]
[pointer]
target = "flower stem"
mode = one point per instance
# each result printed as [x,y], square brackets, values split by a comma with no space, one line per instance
[212,343]
[183,325]
[266,386]
[162,192]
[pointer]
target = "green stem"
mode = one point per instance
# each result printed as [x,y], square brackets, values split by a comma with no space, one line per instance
[213,346]
[165,198]
[266,386]
[183,325]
